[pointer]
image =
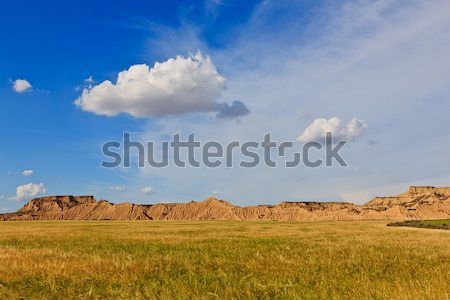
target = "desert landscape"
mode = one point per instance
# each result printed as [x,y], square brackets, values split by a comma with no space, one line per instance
[225,149]
[77,247]
[419,202]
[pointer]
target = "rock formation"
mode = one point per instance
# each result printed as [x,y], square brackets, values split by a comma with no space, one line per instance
[417,203]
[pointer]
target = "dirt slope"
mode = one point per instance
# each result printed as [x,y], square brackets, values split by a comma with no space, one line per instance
[416,203]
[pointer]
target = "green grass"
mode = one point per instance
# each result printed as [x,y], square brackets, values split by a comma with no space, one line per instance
[432,224]
[437,222]
[211,260]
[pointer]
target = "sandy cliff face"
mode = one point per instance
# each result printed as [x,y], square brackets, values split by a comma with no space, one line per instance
[419,202]
[416,203]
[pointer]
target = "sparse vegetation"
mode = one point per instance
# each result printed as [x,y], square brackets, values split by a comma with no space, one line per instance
[433,224]
[341,260]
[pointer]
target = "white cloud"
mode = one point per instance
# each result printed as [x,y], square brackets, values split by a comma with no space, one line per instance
[385,62]
[176,86]
[117,188]
[4,209]
[30,190]
[27,173]
[21,85]
[317,130]
[216,193]
[89,80]
[147,190]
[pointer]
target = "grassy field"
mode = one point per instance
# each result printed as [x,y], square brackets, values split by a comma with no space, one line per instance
[213,260]
[433,224]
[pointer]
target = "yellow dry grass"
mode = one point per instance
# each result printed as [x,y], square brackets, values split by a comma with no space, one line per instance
[166,260]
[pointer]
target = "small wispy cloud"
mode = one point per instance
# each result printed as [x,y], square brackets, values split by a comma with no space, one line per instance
[317,130]
[89,80]
[21,85]
[117,188]
[27,173]
[147,190]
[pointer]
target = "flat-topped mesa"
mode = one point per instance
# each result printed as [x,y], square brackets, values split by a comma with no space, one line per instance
[68,198]
[418,190]
[414,195]
[61,202]
[416,203]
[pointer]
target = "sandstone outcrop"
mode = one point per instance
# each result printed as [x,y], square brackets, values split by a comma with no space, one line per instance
[417,203]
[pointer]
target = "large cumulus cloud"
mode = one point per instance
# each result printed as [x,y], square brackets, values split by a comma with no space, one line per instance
[177,86]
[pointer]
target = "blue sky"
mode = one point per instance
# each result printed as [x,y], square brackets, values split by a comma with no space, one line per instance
[384,63]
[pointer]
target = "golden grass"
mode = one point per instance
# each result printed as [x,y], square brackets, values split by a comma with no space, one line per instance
[222,260]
